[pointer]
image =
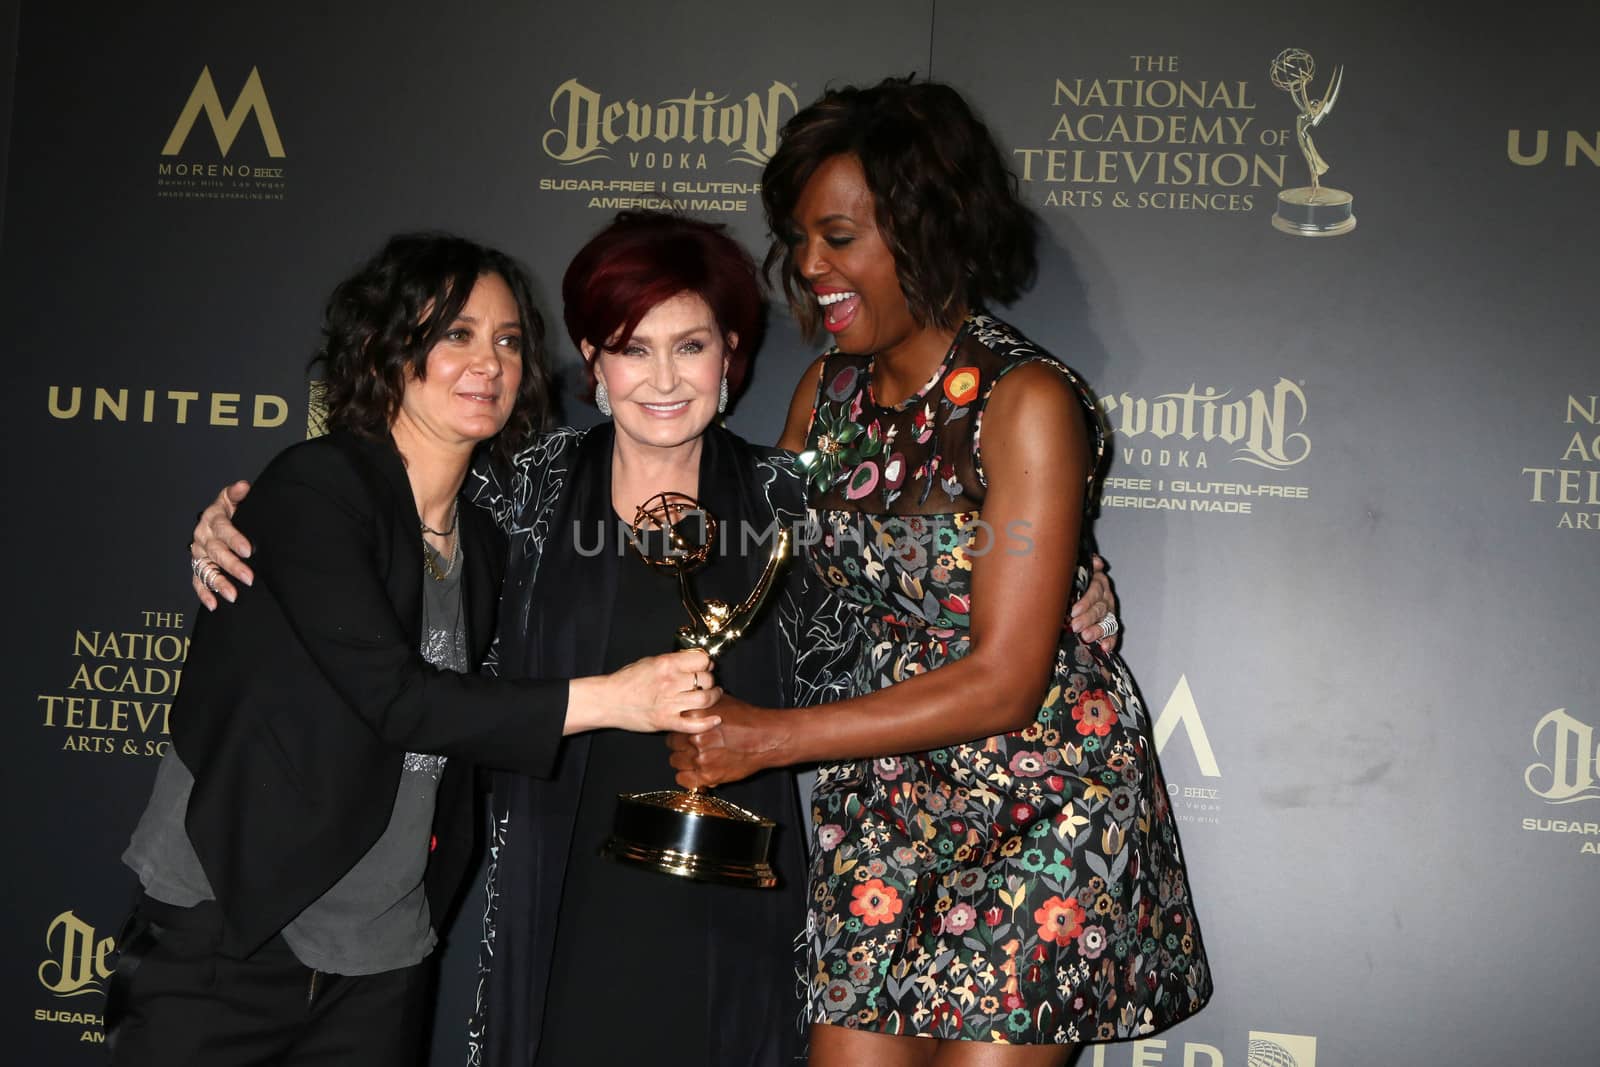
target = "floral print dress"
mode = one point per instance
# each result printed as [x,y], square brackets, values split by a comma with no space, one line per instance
[1025,888]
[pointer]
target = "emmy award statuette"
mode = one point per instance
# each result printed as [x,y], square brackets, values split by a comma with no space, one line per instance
[1315,210]
[693,834]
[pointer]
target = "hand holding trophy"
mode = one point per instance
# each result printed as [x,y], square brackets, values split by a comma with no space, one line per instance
[1315,210]
[694,834]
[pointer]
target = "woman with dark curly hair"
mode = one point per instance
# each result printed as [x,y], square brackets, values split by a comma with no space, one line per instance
[313,816]
[994,861]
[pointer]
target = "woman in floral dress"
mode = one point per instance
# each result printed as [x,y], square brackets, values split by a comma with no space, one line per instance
[994,860]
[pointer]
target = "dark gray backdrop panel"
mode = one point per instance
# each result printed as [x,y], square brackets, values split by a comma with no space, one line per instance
[10,13]
[388,121]
[1354,681]
[1344,651]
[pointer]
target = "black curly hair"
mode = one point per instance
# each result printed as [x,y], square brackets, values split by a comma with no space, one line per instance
[947,205]
[382,321]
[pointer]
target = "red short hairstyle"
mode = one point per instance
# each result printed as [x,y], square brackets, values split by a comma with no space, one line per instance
[644,258]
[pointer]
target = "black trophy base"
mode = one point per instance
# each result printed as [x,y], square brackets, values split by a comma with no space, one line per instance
[692,835]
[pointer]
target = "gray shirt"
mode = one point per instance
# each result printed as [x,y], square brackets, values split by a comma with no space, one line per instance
[375,918]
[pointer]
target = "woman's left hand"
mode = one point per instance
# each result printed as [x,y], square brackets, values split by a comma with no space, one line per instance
[1098,603]
[742,745]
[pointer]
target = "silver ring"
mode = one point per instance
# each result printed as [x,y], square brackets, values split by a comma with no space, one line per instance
[1109,625]
[204,569]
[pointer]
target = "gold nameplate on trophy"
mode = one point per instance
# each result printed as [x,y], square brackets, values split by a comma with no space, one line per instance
[693,834]
[1314,210]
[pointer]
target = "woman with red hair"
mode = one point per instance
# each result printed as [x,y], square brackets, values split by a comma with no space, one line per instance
[665,312]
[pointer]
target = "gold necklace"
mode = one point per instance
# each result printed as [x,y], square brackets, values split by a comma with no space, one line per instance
[427,558]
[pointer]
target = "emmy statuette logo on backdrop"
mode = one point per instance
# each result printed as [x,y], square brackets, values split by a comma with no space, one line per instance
[1315,210]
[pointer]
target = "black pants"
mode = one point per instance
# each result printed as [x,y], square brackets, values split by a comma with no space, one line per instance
[175,999]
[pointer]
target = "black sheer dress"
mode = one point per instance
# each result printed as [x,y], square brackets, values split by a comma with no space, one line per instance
[585,960]
[610,911]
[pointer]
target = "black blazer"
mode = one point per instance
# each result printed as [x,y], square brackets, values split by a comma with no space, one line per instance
[299,702]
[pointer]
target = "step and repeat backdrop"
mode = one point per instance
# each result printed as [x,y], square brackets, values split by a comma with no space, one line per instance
[1353,511]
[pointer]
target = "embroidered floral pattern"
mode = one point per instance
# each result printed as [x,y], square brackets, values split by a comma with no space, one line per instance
[1023,888]
[961,386]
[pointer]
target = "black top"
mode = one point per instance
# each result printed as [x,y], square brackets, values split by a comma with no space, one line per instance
[692,973]
[300,702]
[612,912]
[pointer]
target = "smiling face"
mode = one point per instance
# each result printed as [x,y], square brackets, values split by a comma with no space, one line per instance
[472,374]
[664,380]
[843,257]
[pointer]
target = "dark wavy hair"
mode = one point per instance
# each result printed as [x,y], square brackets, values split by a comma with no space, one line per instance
[645,257]
[947,205]
[382,321]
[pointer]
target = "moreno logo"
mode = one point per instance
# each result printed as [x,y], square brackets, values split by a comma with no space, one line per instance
[225,126]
